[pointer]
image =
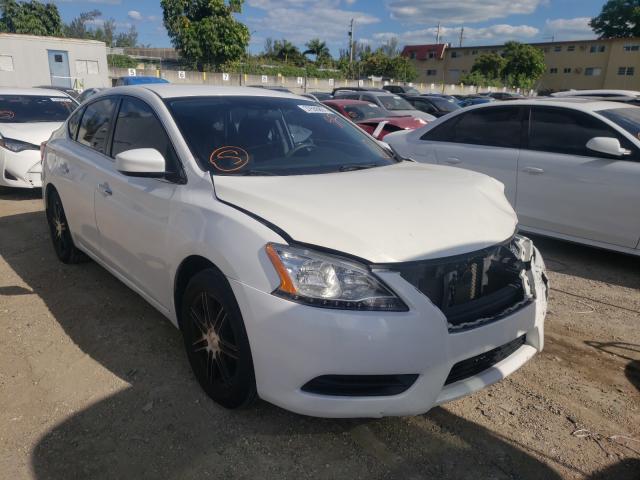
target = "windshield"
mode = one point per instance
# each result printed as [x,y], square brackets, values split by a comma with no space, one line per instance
[411,90]
[444,105]
[272,136]
[392,102]
[32,108]
[627,118]
[358,113]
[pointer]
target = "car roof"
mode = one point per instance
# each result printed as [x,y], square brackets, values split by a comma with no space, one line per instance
[36,91]
[577,93]
[171,90]
[583,104]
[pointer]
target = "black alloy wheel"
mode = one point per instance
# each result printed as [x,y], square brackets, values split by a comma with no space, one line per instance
[216,341]
[63,245]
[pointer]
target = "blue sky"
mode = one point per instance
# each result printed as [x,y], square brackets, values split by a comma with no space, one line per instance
[485,22]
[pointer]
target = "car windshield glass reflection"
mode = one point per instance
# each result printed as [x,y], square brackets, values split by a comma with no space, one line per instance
[395,103]
[31,108]
[627,118]
[358,113]
[272,136]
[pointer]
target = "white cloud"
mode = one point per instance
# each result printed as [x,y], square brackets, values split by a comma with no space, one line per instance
[493,34]
[458,11]
[301,20]
[569,28]
[135,15]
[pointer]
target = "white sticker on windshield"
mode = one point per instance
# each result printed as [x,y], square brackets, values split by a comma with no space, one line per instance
[314,109]
[59,99]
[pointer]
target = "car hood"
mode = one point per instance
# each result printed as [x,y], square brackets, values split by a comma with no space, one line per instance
[34,133]
[402,212]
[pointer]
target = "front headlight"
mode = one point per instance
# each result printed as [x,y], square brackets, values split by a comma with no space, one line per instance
[17,145]
[323,280]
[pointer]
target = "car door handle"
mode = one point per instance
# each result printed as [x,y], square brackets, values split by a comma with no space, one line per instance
[533,170]
[104,189]
[453,161]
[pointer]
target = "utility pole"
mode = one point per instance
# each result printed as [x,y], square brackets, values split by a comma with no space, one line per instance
[438,34]
[351,43]
[461,36]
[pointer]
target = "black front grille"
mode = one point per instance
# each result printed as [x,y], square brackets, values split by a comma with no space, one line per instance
[359,385]
[472,289]
[478,364]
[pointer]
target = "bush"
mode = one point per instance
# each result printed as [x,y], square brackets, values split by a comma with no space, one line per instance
[121,61]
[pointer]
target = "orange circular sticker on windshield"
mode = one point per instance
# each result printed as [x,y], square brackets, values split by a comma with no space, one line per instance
[229,158]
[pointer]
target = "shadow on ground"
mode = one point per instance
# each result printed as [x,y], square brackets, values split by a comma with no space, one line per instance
[589,263]
[626,351]
[162,426]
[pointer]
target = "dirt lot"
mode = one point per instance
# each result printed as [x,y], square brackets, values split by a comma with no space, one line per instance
[95,384]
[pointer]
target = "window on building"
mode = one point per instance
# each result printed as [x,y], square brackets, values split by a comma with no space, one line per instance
[597,49]
[454,54]
[592,71]
[557,48]
[545,49]
[6,63]
[432,54]
[567,70]
[412,55]
[631,71]
[87,67]
[474,52]
[553,70]
[431,72]
[631,48]
[571,48]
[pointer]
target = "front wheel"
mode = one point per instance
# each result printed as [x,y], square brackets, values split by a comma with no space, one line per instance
[216,340]
[66,250]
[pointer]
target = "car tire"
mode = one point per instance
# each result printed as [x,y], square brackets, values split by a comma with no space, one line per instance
[216,340]
[63,245]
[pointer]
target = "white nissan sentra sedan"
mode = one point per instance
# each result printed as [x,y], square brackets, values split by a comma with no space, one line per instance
[303,262]
[27,118]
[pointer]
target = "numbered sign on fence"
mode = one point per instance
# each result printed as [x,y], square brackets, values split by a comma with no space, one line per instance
[410,84]
[132,72]
[265,79]
[225,77]
[361,83]
[182,74]
[300,80]
[331,82]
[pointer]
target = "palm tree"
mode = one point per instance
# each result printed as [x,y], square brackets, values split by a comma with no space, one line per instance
[285,50]
[318,48]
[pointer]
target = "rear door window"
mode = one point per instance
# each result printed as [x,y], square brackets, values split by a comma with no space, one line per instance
[493,126]
[96,123]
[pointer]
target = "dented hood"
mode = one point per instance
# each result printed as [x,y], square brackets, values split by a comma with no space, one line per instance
[402,212]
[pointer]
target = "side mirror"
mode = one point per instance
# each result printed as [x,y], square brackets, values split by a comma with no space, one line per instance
[141,162]
[607,145]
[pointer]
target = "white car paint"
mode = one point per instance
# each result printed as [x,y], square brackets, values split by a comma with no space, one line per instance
[142,229]
[23,169]
[596,93]
[585,199]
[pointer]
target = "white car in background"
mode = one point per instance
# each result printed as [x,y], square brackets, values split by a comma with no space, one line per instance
[570,167]
[302,261]
[28,116]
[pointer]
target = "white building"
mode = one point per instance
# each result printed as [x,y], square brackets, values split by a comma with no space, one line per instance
[29,60]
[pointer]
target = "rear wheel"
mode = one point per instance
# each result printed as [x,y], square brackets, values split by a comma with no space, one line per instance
[216,340]
[59,229]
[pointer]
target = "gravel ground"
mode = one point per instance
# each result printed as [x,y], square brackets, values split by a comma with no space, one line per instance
[94,383]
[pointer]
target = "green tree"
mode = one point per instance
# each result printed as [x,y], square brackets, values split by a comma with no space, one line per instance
[318,48]
[121,61]
[33,17]
[391,47]
[524,64]
[618,18]
[127,39]
[489,66]
[205,31]
[286,51]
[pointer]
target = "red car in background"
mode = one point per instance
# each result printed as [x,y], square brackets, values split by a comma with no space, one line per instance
[372,119]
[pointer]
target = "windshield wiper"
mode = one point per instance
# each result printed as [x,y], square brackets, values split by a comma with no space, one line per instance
[362,166]
[255,173]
